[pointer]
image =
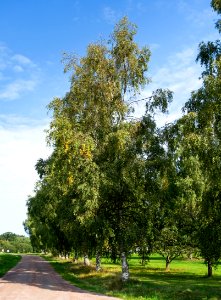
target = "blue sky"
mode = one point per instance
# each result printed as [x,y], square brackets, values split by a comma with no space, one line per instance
[33,36]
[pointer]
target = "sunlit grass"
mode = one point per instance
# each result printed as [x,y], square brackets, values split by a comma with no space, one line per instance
[8,261]
[186,280]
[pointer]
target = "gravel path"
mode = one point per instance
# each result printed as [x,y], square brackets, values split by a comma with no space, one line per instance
[34,279]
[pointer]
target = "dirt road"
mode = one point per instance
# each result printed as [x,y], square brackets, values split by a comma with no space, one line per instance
[34,279]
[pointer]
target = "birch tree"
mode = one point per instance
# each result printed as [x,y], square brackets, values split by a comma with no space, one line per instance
[88,124]
[205,104]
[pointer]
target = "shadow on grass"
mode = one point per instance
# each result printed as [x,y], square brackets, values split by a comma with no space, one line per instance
[156,288]
[145,283]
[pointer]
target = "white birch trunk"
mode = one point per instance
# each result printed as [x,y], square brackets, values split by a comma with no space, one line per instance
[125,267]
[86,260]
[98,262]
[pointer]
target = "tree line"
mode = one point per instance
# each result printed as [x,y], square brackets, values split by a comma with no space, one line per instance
[14,243]
[115,184]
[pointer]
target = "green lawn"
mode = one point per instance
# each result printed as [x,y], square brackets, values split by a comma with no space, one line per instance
[8,261]
[186,280]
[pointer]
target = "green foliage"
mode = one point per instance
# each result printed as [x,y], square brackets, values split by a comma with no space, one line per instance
[15,243]
[159,100]
[205,104]
[113,183]
[89,194]
[216,5]
[129,60]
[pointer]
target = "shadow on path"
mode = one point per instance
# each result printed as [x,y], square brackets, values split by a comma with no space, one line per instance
[36,272]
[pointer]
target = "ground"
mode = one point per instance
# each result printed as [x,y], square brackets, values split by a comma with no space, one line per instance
[34,278]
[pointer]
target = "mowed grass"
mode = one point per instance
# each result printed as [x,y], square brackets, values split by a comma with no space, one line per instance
[186,279]
[8,261]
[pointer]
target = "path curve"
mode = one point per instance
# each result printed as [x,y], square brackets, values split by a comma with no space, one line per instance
[34,279]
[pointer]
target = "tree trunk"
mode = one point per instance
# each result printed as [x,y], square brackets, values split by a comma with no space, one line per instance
[167,264]
[210,268]
[75,259]
[86,260]
[143,258]
[114,255]
[98,262]
[125,268]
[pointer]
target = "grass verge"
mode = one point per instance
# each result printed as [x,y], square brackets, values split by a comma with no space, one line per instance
[8,261]
[185,281]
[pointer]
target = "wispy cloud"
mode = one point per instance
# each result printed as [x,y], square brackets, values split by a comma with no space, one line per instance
[110,15]
[195,16]
[14,90]
[18,68]
[23,60]
[18,74]
[181,75]
[154,46]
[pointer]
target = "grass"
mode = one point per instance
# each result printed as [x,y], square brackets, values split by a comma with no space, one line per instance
[186,280]
[8,261]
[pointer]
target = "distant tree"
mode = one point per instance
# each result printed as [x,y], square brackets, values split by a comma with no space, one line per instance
[15,243]
[8,236]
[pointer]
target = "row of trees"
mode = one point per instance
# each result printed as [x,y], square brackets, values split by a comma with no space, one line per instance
[114,183]
[11,242]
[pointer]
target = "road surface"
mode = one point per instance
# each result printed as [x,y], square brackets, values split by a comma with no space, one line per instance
[34,279]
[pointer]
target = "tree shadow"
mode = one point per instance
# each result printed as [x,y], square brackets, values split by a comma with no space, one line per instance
[36,272]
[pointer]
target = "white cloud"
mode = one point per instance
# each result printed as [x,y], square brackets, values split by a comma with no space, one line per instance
[23,60]
[18,74]
[20,148]
[181,75]
[14,89]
